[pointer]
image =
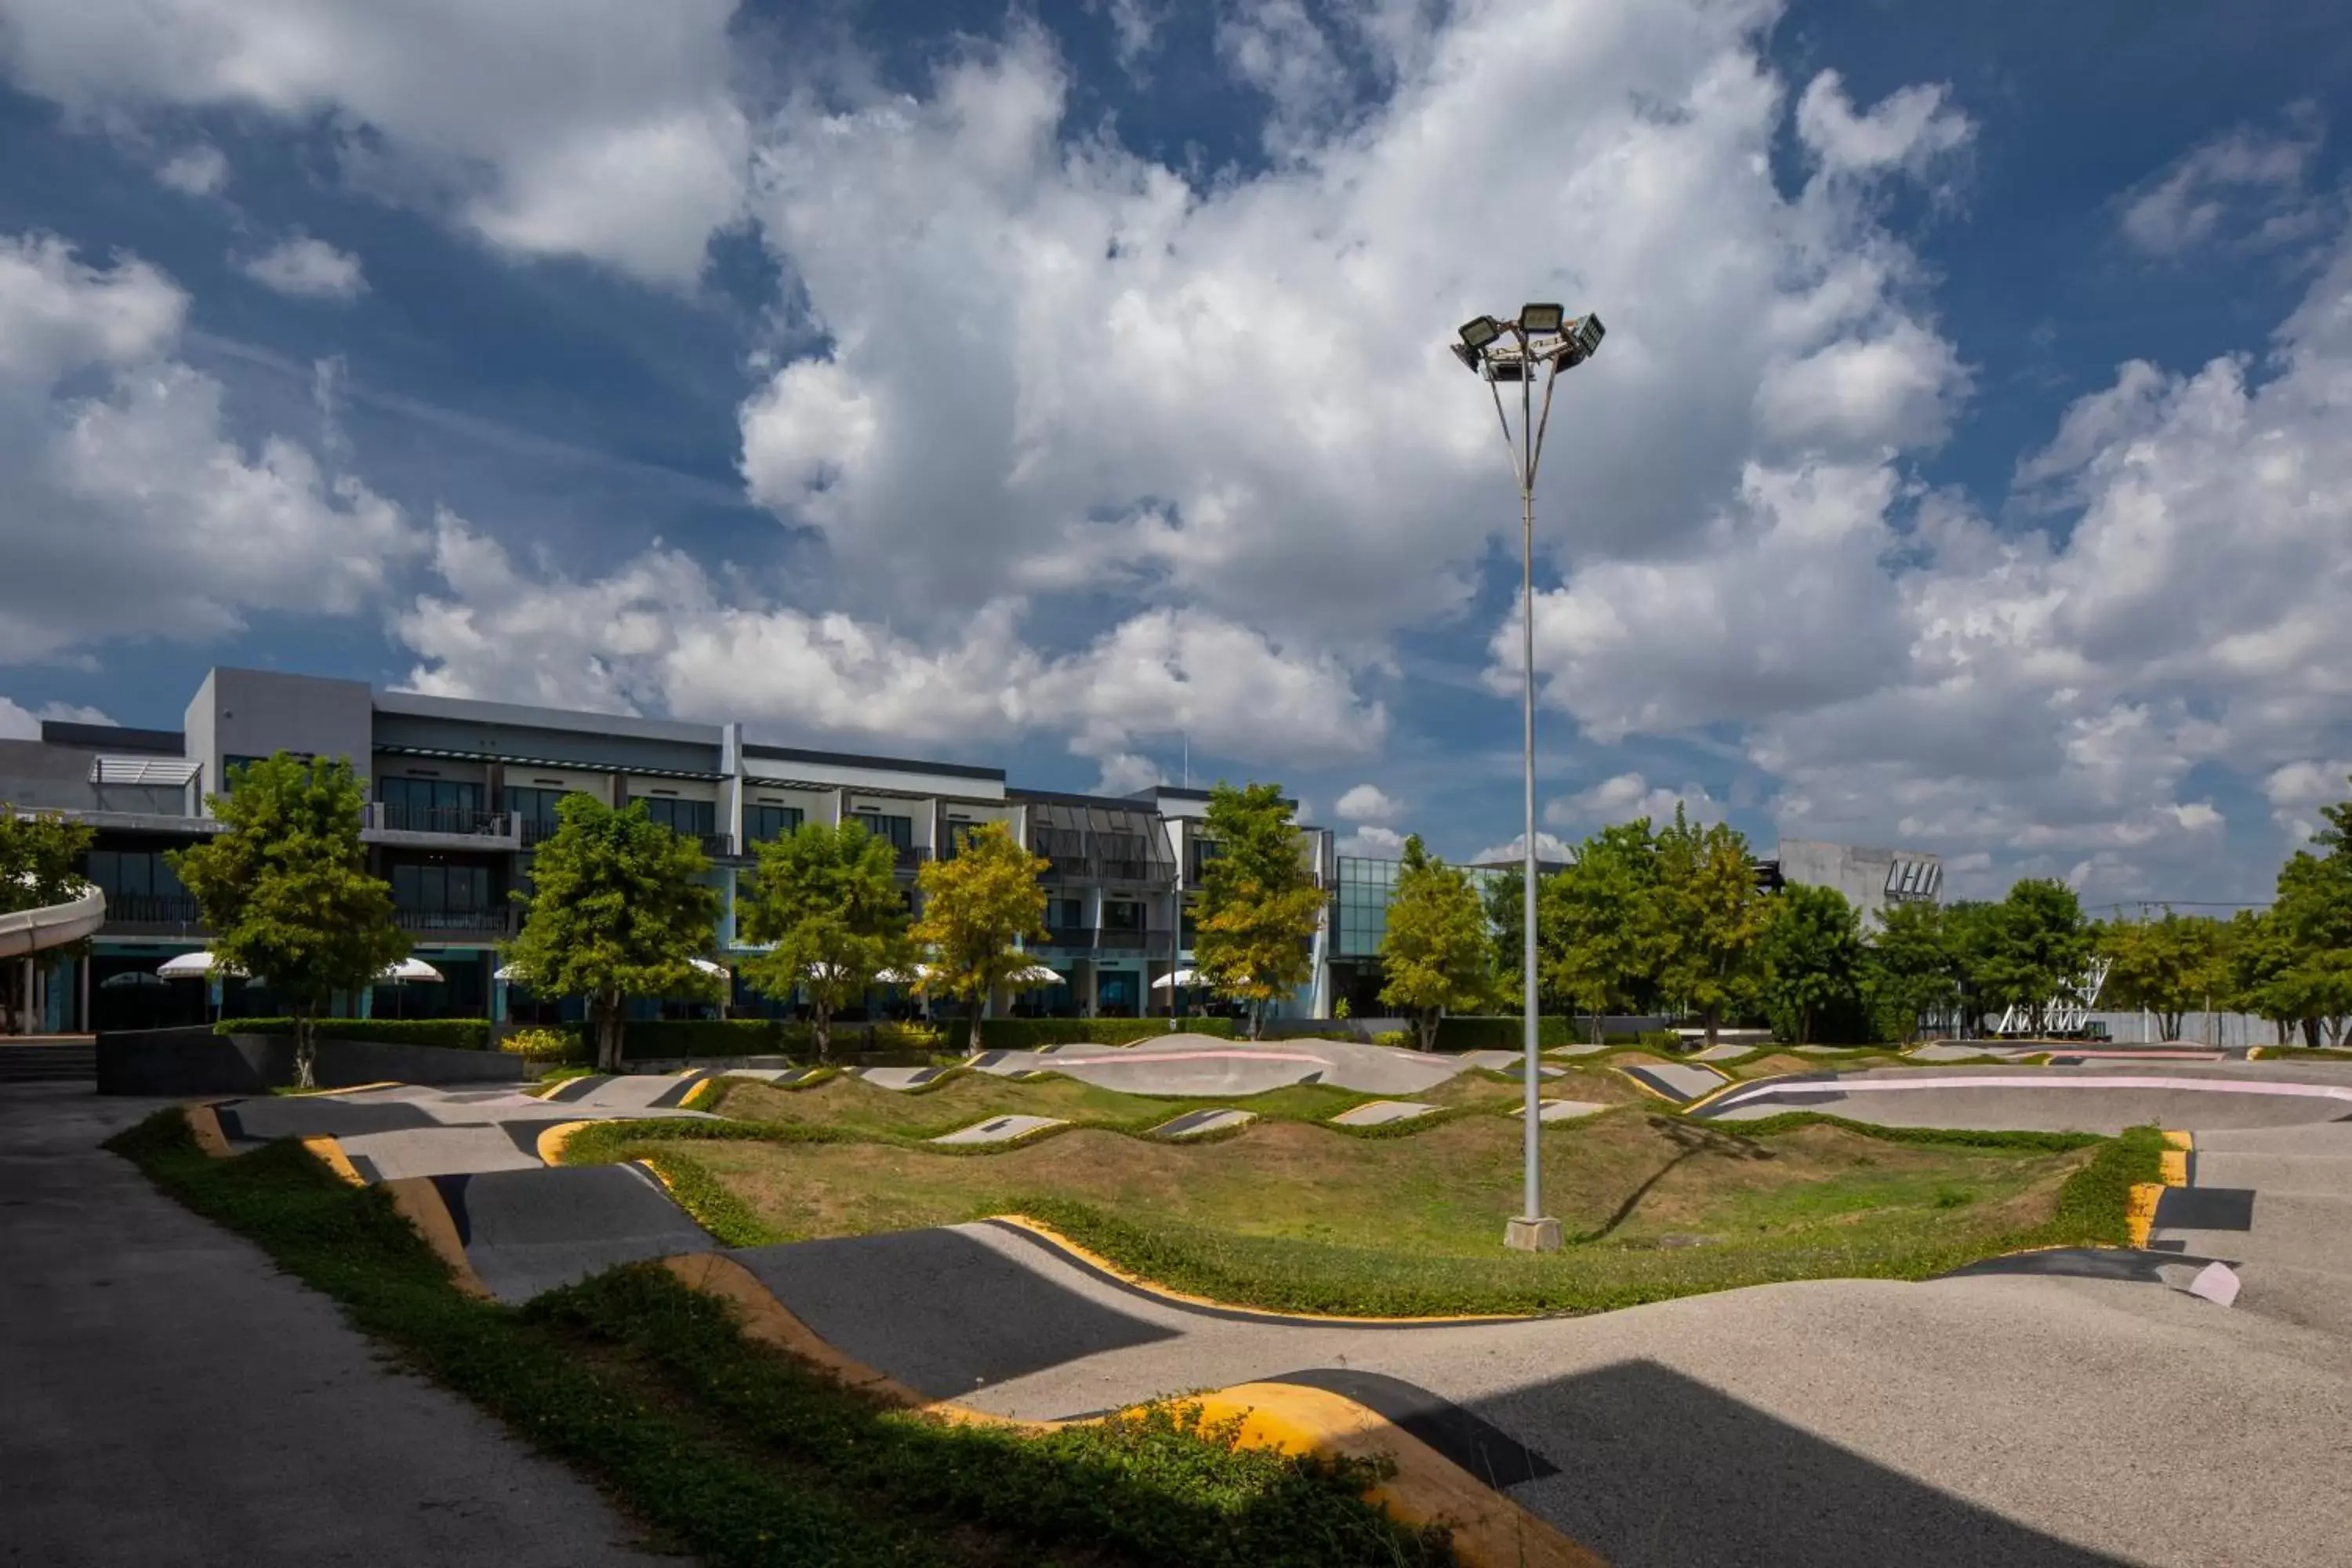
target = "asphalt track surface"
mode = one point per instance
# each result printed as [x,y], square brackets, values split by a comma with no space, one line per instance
[1203,1066]
[168,1400]
[2057,1409]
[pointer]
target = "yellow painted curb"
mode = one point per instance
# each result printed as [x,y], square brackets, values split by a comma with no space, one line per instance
[206,1130]
[2176,1168]
[1489,1530]
[1095,1260]
[700,1091]
[331,1154]
[549,1146]
[1712,1095]
[419,1201]
[361,1088]
[2179,1139]
[2141,1214]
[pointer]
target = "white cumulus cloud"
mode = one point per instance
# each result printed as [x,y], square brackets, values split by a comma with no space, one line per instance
[308,269]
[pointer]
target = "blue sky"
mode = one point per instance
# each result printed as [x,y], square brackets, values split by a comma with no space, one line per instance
[1063,386]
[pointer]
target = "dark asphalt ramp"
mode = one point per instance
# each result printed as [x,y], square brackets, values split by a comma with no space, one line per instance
[530,1231]
[305,1116]
[937,1310]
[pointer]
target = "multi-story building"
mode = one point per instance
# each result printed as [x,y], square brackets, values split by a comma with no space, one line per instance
[460,793]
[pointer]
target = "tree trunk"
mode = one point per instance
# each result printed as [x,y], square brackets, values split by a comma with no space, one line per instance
[1713,1017]
[1805,1024]
[1596,1027]
[306,1048]
[608,1032]
[973,1039]
[820,1027]
[2311,1032]
[1256,1020]
[1427,1026]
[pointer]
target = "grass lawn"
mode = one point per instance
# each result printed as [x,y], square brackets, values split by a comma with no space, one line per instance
[725,1449]
[1297,1216]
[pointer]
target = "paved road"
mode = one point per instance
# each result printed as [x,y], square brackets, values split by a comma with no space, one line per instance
[167,1401]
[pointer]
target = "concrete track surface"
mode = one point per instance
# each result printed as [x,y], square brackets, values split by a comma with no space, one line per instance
[2057,1409]
[1198,1066]
[167,1400]
[2061,1409]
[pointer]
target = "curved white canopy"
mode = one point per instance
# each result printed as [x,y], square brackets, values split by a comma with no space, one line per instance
[409,969]
[199,965]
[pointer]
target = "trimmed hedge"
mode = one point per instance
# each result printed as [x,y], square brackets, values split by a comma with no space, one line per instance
[1507,1033]
[656,1039]
[1028,1033]
[461,1034]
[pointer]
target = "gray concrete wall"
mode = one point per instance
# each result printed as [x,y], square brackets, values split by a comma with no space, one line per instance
[254,713]
[171,1062]
[1861,874]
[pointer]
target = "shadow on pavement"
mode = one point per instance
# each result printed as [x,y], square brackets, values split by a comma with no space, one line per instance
[1658,1471]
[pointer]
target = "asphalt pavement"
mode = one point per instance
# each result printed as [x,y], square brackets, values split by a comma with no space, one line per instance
[167,1400]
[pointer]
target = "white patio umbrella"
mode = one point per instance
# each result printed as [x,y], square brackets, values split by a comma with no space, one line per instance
[406,971]
[508,972]
[1181,977]
[128,980]
[200,965]
[1034,974]
[914,976]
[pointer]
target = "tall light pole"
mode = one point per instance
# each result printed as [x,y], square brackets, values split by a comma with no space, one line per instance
[1544,341]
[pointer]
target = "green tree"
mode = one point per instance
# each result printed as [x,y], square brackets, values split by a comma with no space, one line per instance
[2038,946]
[2260,956]
[977,908]
[286,891]
[826,905]
[1910,968]
[1970,932]
[1599,932]
[1709,916]
[1259,904]
[620,907]
[1813,958]
[1435,956]
[2170,966]
[41,854]
[1504,894]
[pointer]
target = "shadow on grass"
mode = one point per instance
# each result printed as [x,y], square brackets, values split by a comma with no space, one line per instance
[1690,1140]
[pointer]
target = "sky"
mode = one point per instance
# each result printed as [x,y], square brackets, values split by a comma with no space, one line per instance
[1967,466]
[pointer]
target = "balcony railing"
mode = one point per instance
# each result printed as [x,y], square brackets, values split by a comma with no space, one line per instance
[910,856]
[1104,938]
[718,845]
[536,828]
[172,912]
[393,817]
[477,921]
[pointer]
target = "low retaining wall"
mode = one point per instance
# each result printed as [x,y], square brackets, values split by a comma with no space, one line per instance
[171,1063]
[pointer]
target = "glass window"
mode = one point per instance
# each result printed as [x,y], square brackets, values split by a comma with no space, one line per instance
[898,830]
[762,823]
[694,818]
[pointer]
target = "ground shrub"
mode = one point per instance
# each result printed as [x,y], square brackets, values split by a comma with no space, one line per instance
[543,1045]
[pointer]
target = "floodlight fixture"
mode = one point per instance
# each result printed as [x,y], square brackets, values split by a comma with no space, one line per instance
[1465,354]
[1501,369]
[1480,330]
[1534,318]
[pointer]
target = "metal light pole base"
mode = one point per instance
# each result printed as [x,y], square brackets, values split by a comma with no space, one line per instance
[1532,1235]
